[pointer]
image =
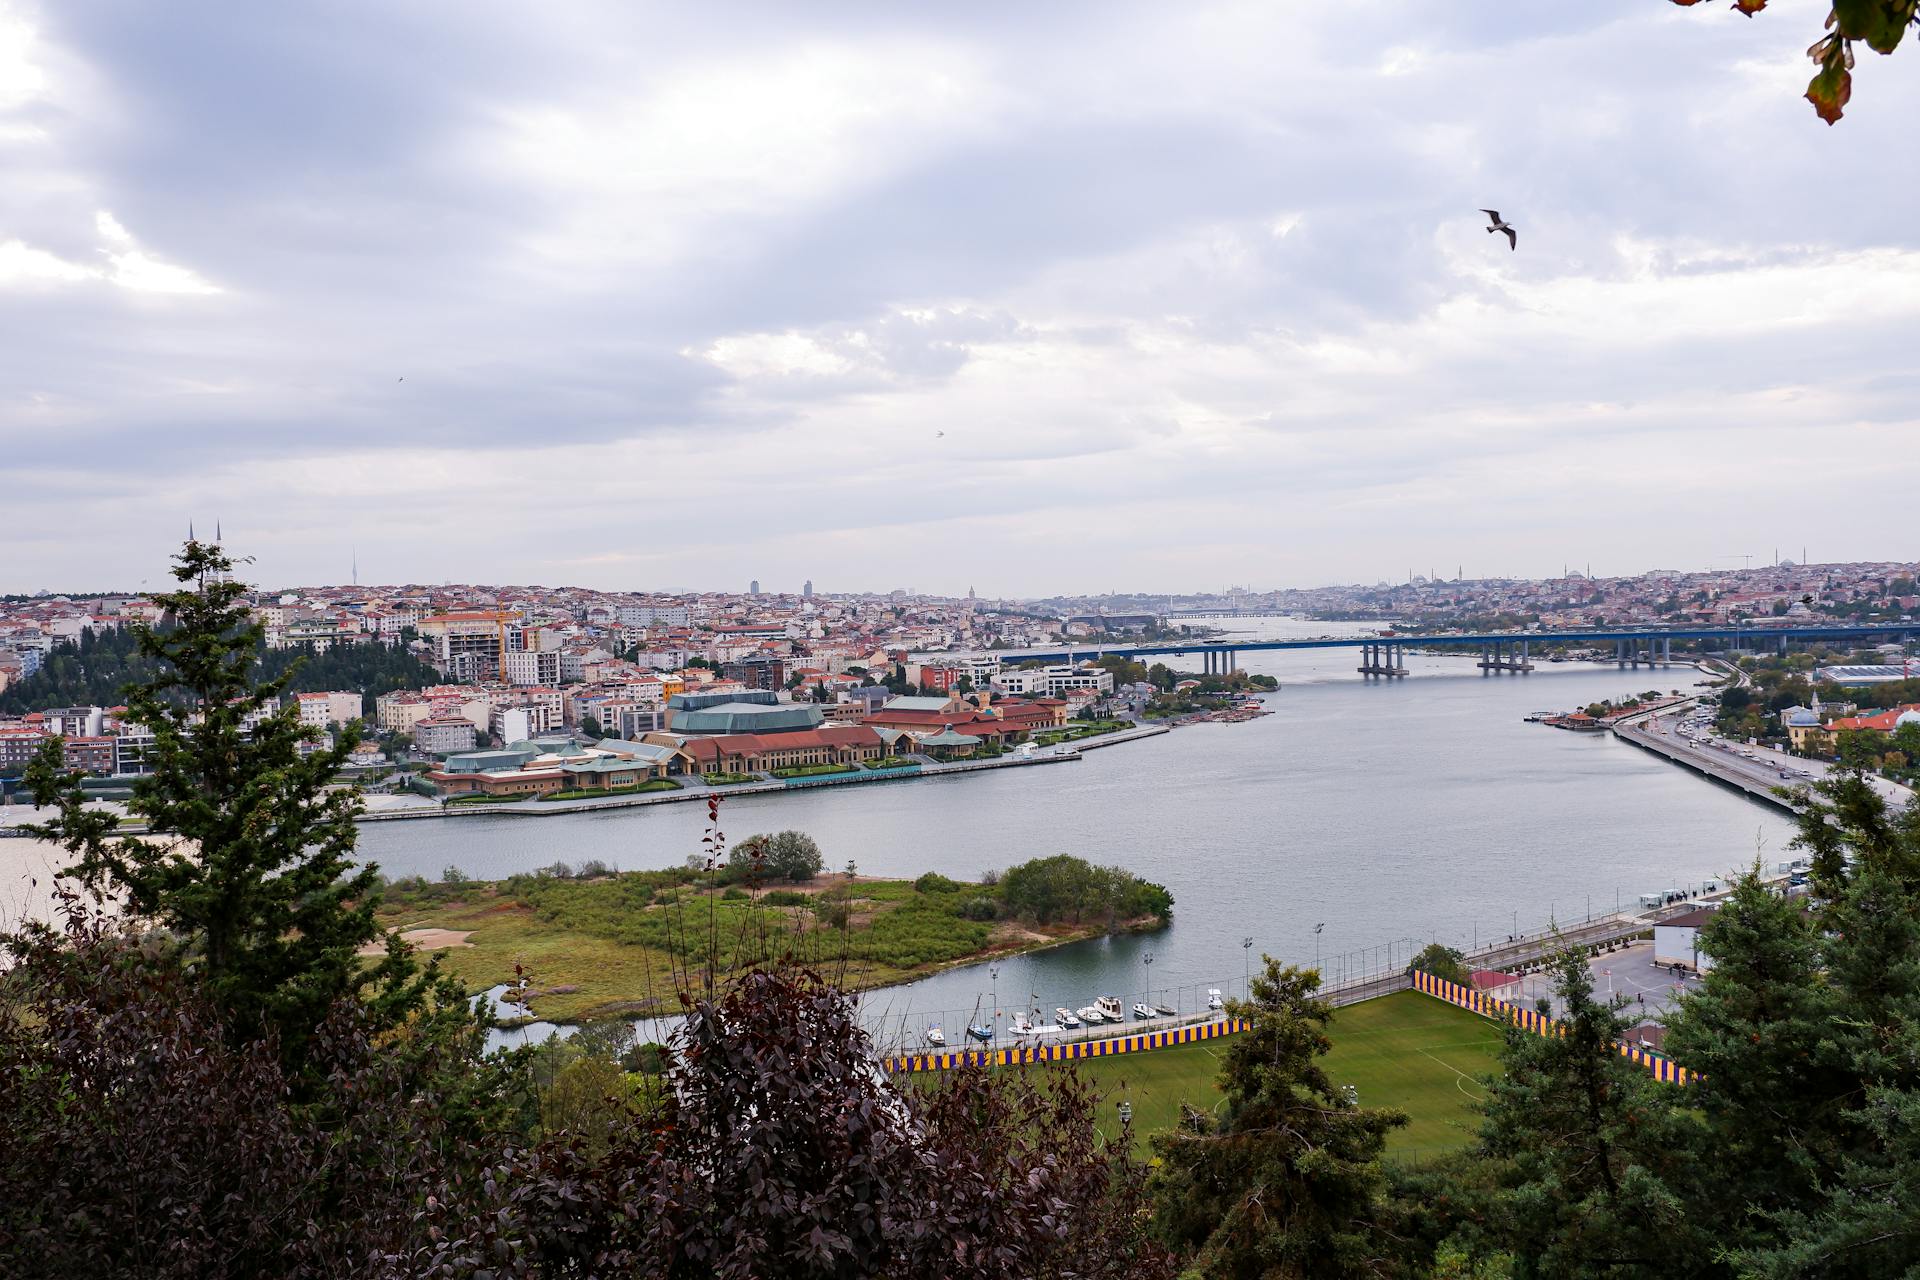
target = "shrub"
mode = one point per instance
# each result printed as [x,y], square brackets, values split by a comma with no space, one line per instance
[979,909]
[785,855]
[785,898]
[934,882]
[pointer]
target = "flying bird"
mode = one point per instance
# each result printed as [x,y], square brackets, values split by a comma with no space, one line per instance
[1499,224]
[939,435]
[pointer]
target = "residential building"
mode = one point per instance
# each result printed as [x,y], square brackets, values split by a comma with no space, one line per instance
[757,673]
[513,724]
[131,745]
[323,710]
[75,722]
[446,736]
[18,743]
[532,666]
[89,755]
[470,644]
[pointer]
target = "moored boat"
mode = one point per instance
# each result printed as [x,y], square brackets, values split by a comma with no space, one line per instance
[1213,999]
[1066,1019]
[936,1037]
[1091,1016]
[979,1032]
[1144,1010]
[1110,1008]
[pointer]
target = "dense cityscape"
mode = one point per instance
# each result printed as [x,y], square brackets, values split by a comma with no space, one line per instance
[498,666]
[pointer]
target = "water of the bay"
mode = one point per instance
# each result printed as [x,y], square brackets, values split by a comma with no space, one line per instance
[1379,811]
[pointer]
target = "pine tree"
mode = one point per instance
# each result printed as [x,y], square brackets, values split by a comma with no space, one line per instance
[1592,1149]
[252,866]
[1864,1220]
[1287,1181]
[1759,1029]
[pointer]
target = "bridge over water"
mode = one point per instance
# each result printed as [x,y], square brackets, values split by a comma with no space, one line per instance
[1499,650]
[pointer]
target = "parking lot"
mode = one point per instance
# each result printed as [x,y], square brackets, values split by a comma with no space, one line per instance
[1630,972]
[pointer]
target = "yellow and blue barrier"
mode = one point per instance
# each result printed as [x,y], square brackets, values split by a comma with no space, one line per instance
[1661,1067]
[1062,1051]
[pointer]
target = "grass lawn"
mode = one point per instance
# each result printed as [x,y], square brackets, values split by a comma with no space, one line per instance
[1405,1050]
[602,947]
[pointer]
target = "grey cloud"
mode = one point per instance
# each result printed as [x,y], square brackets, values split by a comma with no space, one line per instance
[328,170]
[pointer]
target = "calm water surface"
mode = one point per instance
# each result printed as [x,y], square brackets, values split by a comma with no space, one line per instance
[1380,811]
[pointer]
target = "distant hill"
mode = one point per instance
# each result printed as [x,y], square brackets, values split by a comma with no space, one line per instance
[94,670]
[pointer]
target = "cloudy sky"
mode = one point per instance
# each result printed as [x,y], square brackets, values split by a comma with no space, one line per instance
[1029,298]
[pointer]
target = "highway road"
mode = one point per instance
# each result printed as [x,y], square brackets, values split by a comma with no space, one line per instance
[1738,762]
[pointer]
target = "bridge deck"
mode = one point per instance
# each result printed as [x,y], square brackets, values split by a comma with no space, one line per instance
[1095,649]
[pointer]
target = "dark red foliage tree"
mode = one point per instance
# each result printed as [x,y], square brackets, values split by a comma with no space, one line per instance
[784,1151]
[136,1140]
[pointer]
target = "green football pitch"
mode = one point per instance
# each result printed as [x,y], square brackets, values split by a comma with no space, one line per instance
[1405,1050]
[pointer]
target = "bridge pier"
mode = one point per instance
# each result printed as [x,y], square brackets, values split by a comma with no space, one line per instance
[1378,659]
[1501,656]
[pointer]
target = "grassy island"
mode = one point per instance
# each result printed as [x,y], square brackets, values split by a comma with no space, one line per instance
[596,944]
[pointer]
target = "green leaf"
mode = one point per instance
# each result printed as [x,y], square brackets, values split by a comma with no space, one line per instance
[1881,23]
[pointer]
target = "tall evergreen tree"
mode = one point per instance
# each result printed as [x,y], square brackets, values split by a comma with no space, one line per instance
[251,866]
[1864,1218]
[1591,1150]
[1287,1181]
[1760,1030]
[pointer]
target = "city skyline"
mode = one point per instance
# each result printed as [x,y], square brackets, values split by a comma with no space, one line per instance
[1734,574]
[1099,297]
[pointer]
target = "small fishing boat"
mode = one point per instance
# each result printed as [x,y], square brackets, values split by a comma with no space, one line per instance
[1021,1025]
[1066,1019]
[1213,999]
[974,1027]
[936,1037]
[1110,1008]
[1091,1016]
[1166,1011]
[1144,1010]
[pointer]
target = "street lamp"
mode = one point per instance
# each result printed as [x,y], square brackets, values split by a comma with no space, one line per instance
[993,973]
[1246,966]
[1316,945]
[1146,997]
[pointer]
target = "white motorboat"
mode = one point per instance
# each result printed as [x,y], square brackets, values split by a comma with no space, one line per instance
[936,1037]
[1091,1016]
[1144,1010]
[1020,1025]
[1111,1009]
[1065,1019]
[1041,1029]
[1213,999]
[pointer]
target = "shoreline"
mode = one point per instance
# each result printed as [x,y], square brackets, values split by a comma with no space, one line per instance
[1061,754]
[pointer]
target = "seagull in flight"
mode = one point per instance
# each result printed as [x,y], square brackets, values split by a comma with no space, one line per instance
[1500,224]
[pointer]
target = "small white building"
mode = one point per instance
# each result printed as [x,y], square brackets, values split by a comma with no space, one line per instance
[1677,941]
[320,710]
